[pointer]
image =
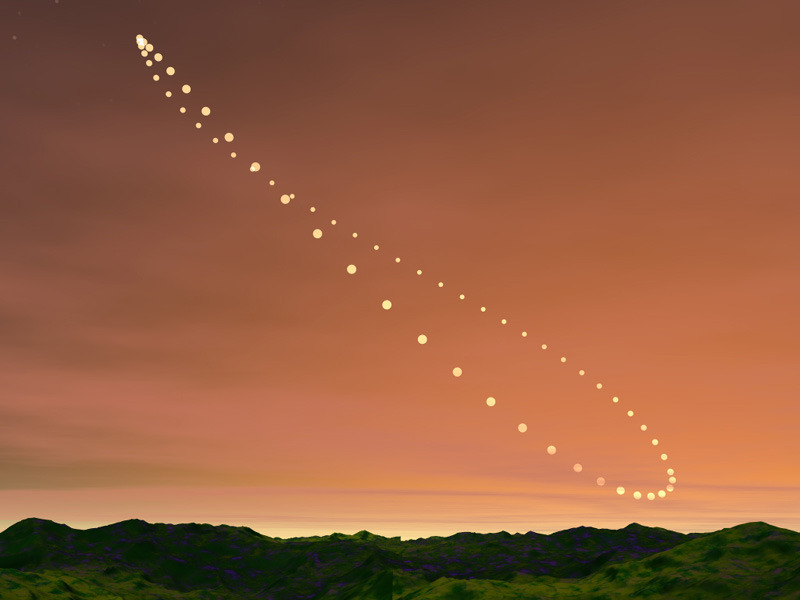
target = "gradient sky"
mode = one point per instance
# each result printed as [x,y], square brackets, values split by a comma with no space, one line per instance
[617,179]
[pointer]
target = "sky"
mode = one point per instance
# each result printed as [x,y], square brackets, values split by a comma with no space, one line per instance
[181,341]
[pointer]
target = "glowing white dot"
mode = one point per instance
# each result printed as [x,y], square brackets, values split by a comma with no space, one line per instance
[355,235]
[457,371]
[670,471]
[620,490]
[581,372]
[233,154]
[205,111]
[255,167]
[272,182]
[601,481]
[155,78]
[615,399]
[490,401]
[423,339]
[182,109]
[333,221]
[670,487]
[643,428]
[563,359]
[149,63]
[386,304]
[551,450]
[419,271]
[503,321]
[599,386]
[522,427]
[170,70]
[198,125]
[317,233]
[577,467]
[461,296]
[285,199]
[144,52]
[661,493]
[483,309]
[351,269]
[168,94]
[186,88]
[654,442]
[376,247]
[158,56]
[544,346]
[651,496]
[228,137]
[637,495]
[291,196]
[664,457]
[397,260]
[673,480]
[524,334]
[149,47]
[630,413]
[440,284]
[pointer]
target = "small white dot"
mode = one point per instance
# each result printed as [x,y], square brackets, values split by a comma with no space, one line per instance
[620,490]
[601,481]
[544,346]
[317,233]
[615,399]
[670,487]
[376,247]
[655,442]
[423,339]
[563,359]
[285,199]
[670,471]
[503,321]
[333,221]
[651,496]
[522,427]
[673,480]
[457,371]
[483,309]
[581,372]
[440,284]
[355,235]
[551,450]
[661,493]
[577,467]
[419,271]
[644,427]
[524,334]
[351,269]
[664,457]
[637,495]
[397,260]
[630,413]
[599,386]
[387,304]
[461,297]
[490,401]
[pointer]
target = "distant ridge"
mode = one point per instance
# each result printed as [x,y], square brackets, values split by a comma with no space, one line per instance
[134,560]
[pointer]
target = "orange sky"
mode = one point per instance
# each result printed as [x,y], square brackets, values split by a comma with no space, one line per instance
[616,179]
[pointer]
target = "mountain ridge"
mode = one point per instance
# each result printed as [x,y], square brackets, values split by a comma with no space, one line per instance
[134,559]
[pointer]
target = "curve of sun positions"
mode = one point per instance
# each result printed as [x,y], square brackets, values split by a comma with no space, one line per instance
[156,59]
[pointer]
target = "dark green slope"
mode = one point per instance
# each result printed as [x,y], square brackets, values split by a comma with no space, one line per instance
[135,560]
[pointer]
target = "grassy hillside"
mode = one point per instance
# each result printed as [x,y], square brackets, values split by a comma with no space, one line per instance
[135,560]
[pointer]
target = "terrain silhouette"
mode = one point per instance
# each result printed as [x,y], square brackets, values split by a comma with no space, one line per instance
[133,560]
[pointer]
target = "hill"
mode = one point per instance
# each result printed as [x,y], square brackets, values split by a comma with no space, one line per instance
[133,560]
